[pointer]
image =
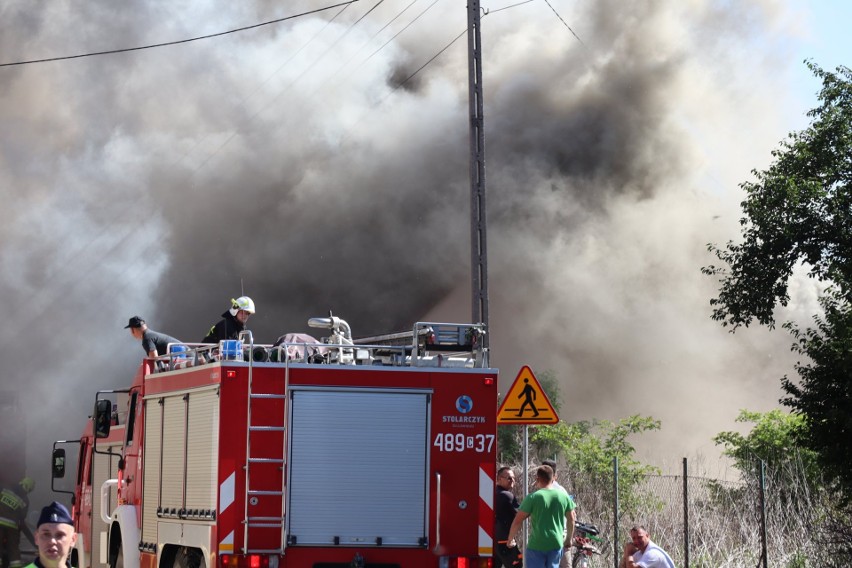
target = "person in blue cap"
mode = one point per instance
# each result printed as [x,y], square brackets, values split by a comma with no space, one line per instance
[55,537]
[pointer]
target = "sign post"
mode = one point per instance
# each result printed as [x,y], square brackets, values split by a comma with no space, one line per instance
[526,403]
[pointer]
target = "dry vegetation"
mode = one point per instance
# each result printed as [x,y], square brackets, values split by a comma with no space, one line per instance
[805,526]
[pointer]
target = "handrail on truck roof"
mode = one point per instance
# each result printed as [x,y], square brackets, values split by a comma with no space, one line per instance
[428,344]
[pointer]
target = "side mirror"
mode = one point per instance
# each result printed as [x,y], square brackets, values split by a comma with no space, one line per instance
[58,463]
[103,417]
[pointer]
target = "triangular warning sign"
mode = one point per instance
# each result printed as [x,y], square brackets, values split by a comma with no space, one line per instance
[526,402]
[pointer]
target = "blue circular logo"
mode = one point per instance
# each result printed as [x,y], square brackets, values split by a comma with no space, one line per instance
[464,404]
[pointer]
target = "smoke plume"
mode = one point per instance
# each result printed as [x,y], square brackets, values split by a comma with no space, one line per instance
[321,163]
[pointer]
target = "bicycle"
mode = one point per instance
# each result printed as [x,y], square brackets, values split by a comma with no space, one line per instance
[585,544]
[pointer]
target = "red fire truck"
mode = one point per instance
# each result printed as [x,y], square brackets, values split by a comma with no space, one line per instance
[307,454]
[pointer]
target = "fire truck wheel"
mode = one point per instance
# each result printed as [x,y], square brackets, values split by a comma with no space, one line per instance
[187,558]
[117,561]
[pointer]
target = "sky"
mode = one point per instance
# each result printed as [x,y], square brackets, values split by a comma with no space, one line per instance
[321,164]
[821,38]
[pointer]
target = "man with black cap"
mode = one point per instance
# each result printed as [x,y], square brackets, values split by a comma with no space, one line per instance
[55,537]
[153,342]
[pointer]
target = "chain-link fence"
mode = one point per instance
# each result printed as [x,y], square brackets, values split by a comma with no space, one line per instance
[770,519]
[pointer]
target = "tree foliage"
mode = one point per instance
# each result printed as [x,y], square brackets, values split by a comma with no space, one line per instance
[589,447]
[799,212]
[777,438]
[793,477]
[585,449]
[823,394]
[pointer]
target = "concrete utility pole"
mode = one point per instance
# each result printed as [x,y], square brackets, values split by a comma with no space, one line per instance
[478,249]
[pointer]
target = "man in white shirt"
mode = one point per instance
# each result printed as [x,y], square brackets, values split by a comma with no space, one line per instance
[640,552]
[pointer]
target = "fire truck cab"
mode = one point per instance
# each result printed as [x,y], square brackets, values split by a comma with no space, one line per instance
[325,454]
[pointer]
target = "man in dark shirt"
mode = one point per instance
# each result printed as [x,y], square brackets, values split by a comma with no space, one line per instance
[154,343]
[505,507]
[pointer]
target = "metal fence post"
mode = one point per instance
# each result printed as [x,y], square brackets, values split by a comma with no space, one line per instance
[763,558]
[685,516]
[615,539]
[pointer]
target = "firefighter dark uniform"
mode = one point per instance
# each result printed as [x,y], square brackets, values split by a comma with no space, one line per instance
[230,326]
[13,511]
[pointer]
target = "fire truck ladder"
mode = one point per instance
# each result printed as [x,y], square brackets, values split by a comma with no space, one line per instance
[253,493]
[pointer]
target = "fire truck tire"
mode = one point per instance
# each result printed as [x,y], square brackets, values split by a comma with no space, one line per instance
[117,561]
[188,558]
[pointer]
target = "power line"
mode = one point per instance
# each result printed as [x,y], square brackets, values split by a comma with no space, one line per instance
[563,21]
[407,79]
[507,7]
[429,7]
[52,299]
[269,103]
[178,41]
[353,70]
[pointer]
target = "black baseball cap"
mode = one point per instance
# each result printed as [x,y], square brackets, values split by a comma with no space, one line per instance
[135,321]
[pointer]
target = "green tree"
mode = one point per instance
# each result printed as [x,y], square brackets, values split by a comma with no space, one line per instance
[799,212]
[776,438]
[823,394]
[795,491]
[588,449]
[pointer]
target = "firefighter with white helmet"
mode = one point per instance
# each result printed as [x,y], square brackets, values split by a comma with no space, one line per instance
[233,321]
[14,504]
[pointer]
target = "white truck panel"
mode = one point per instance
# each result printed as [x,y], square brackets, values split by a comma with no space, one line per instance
[151,478]
[174,454]
[202,451]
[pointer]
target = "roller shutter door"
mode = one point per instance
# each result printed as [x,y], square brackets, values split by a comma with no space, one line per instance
[358,467]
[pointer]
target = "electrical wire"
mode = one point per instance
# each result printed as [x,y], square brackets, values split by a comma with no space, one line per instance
[509,6]
[563,21]
[123,241]
[277,96]
[404,81]
[409,24]
[353,70]
[208,36]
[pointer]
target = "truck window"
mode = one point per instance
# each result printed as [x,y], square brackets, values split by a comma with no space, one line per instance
[89,465]
[81,462]
[131,419]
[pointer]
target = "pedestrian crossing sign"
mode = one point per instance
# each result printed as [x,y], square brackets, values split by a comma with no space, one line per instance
[526,402]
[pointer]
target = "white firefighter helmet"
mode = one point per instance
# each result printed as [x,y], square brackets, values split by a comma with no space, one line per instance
[242,303]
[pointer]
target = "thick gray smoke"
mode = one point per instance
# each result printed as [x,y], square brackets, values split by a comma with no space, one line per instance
[294,162]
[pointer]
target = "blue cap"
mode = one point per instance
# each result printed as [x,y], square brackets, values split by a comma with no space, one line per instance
[55,513]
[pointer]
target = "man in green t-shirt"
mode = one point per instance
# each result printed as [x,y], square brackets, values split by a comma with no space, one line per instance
[550,509]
